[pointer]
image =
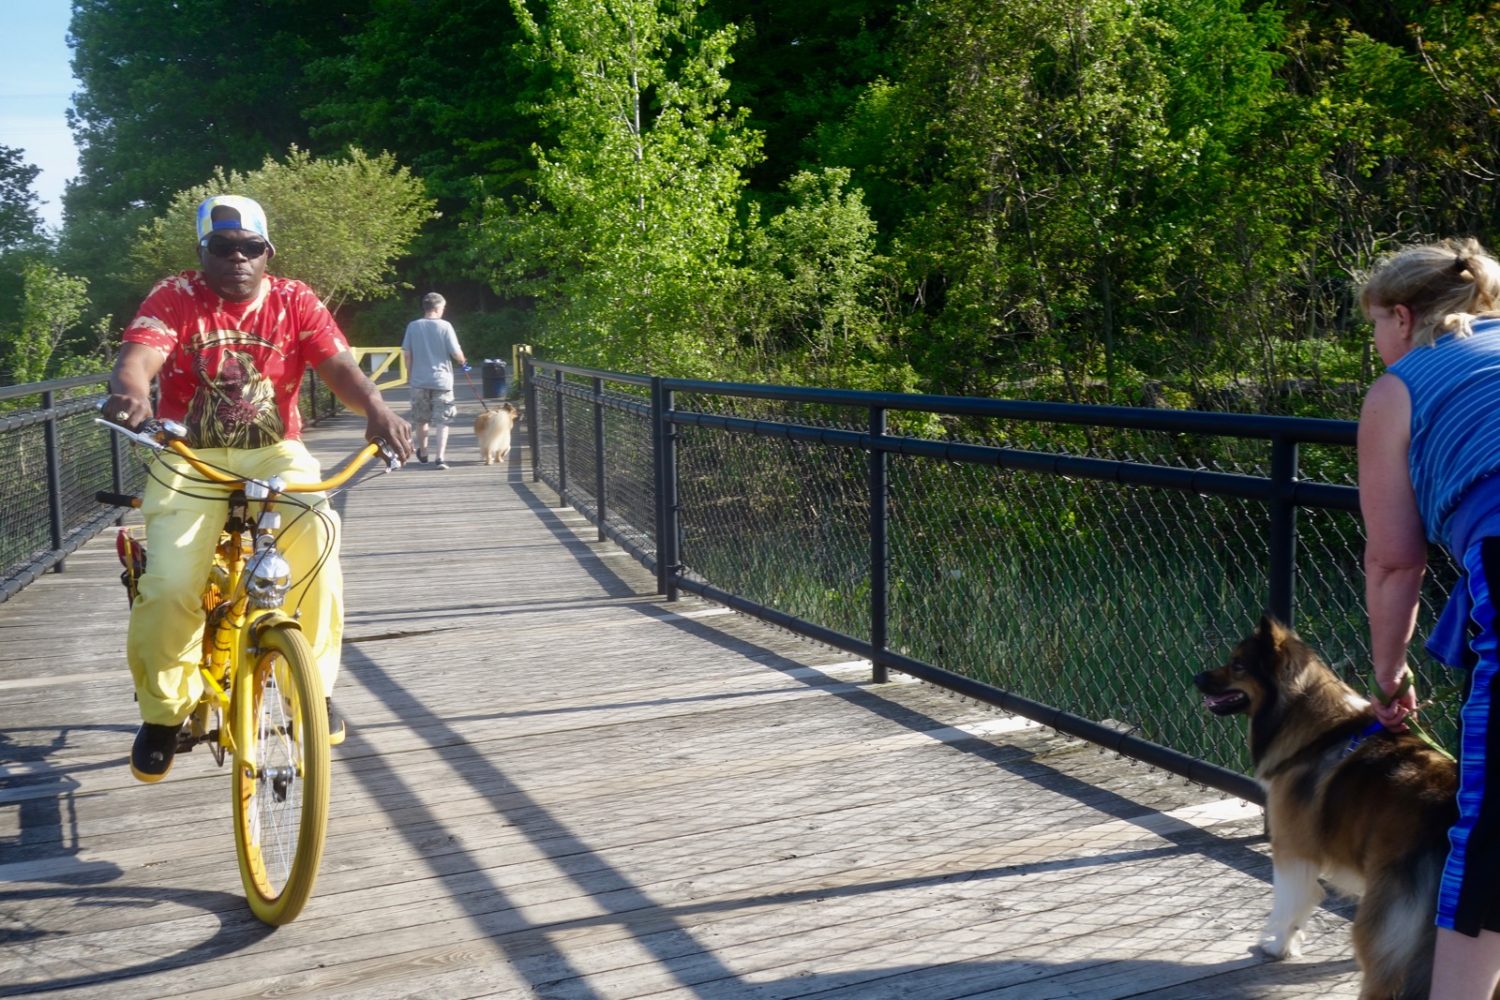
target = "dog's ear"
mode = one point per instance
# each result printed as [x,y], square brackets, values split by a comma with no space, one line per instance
[1271,631]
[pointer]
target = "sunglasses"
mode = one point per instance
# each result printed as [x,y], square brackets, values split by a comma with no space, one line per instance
[223,246]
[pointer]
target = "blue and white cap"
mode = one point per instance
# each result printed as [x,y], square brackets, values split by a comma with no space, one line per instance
[235,212]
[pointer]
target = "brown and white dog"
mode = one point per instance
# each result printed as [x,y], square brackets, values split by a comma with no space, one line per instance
[492,428]
[1365,807]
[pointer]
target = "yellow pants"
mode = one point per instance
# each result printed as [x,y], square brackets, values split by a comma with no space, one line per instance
[183,519]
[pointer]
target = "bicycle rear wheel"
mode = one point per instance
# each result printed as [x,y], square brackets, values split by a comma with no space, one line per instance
[280,776]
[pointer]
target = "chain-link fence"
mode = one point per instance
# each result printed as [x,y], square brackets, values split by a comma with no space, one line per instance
[593,442]
[53,461]
[1072,563]
[55,458]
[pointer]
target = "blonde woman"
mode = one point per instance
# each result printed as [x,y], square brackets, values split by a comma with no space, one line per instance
[1429,471]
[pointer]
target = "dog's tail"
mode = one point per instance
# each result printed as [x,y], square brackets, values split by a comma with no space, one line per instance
[1393,930]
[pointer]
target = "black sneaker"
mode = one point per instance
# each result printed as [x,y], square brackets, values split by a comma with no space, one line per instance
[151,755]
[336,728]
[442,464]
[422,457]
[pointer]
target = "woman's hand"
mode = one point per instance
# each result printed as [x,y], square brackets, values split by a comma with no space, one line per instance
[1398,700]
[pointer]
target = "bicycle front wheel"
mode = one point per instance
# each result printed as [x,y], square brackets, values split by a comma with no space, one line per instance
[281,776]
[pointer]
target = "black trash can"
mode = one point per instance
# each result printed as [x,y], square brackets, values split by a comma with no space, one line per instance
[494,377]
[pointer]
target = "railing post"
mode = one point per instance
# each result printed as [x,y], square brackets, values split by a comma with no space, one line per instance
[1283,529]
[533,435]
[54,476]
[667,556]
[880,552]
[562,448]
[659,482]
[599,504]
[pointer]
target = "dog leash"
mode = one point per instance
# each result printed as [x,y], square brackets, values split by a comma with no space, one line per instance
[1411,720]
[477,394]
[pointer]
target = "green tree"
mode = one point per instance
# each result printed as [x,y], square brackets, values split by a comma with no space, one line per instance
[170,91]
[800,68]
[629,236]
[436,84]
[51,304]
[1060,174]
[338,224]
[813,285]
[20,223]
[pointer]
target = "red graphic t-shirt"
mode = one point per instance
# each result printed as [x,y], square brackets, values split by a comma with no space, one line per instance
[234,370]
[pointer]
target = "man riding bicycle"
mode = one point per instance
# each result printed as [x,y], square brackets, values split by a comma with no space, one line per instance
[228,345]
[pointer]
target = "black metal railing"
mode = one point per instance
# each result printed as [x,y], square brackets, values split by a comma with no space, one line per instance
[1073,564]
[54,458]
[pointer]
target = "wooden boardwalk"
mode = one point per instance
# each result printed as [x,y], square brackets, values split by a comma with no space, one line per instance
[557,785]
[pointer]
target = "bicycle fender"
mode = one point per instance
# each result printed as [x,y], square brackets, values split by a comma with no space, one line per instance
[272,619]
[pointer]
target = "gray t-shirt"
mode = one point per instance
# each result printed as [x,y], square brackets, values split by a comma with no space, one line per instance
[433,345]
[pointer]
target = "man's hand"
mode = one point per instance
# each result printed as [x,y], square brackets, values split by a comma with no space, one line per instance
[127,411]
[129,402]
[385,424]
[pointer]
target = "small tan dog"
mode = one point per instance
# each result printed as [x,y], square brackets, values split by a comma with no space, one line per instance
[492,428]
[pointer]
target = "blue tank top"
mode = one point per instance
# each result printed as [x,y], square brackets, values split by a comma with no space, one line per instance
[1455,420]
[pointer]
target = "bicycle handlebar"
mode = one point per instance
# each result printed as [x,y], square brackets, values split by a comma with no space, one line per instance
[166,436]
[179,447]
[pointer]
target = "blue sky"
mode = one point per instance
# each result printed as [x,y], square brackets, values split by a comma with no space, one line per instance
[36,84]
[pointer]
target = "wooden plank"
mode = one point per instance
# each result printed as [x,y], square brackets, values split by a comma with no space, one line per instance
[558,785]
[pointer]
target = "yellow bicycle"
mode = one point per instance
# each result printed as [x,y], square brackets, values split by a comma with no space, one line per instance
[262,705]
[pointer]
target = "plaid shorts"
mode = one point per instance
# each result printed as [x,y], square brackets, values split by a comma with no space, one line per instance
[433,406]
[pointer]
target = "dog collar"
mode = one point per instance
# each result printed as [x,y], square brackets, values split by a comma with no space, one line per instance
[1361,736]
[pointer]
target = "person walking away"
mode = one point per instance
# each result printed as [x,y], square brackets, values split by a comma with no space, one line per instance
[228,345]
[1429,470]
[430,349]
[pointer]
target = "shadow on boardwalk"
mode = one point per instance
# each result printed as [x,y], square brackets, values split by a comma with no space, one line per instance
[558,785]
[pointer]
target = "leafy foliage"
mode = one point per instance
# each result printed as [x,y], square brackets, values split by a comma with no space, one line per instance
[20,223]
[628,235]
[172,91]
[812,288]
[51,303]
[338,224]
[800,67]
[426,83]
[1111,200]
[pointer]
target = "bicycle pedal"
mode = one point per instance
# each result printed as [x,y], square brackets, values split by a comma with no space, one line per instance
[187,740]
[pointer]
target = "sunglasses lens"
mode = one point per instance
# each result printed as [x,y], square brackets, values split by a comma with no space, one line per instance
[250,249]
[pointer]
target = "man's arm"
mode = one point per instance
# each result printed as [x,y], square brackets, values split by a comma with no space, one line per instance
[129,401]
[456,352]
[355,390]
